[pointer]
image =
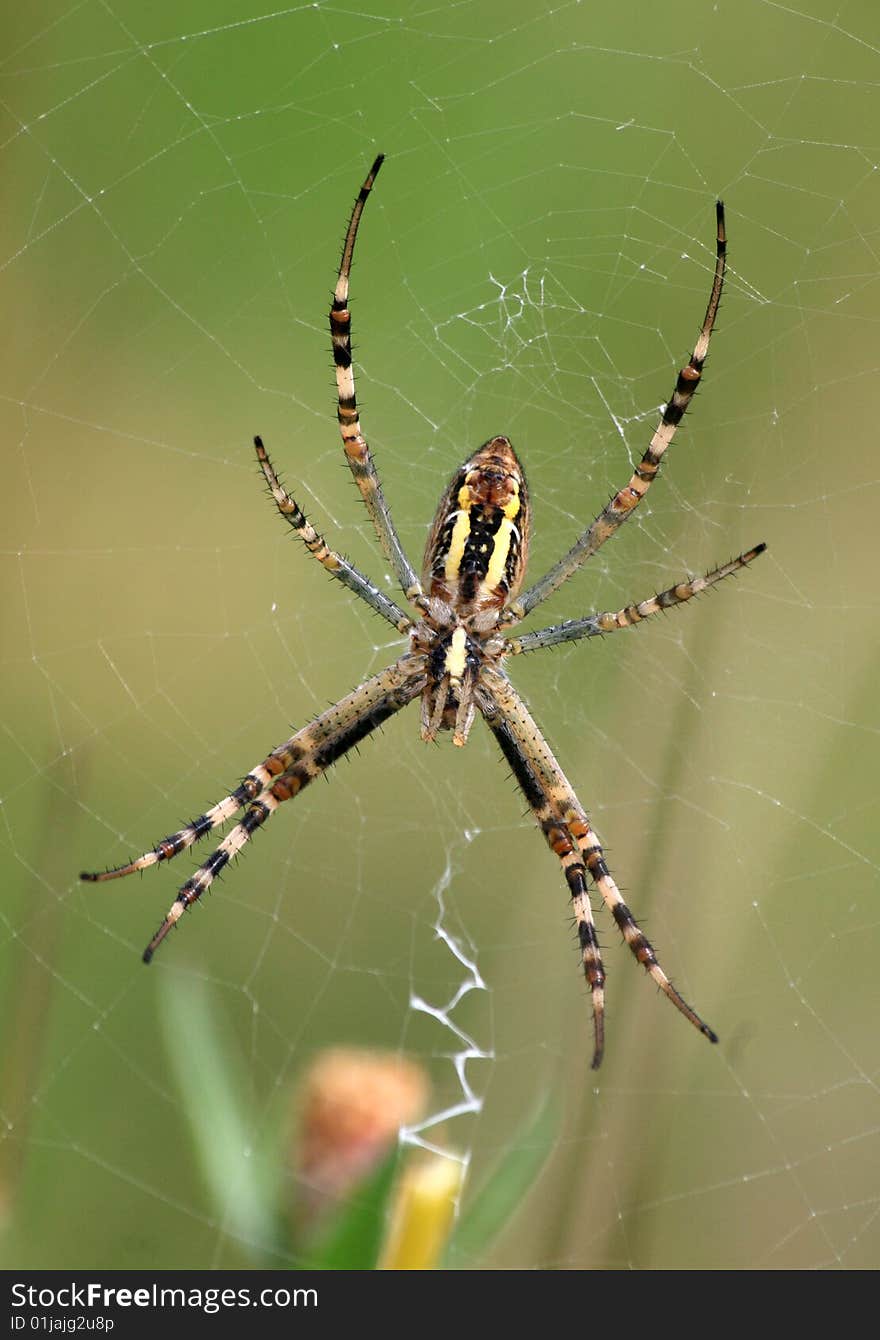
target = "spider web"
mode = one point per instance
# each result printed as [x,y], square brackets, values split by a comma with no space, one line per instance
[535,261]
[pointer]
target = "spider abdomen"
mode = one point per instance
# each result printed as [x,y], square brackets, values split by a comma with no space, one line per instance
[476,552]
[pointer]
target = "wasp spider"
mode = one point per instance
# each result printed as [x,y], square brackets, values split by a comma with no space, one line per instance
[468,599]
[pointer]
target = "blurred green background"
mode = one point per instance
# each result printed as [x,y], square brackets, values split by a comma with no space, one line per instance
[535,261]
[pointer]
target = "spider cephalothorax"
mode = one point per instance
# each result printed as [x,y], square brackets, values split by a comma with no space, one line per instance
[468,599]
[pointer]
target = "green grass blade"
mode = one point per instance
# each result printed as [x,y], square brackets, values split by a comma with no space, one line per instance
[505,1190]
[355,1239]
[208,1077]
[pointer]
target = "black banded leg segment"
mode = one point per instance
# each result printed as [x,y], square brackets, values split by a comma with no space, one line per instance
[281,776]
[501,704]
[307,755]
[627,499]
[332,562]
[562,842]
[175,843]
[596,625]
[638,942]
[357,451]
[254,817]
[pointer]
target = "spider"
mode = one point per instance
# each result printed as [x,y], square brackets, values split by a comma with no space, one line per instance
[468,599]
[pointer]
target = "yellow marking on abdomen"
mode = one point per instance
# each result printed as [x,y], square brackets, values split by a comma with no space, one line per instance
[457,541]
[498,560]
[460,532]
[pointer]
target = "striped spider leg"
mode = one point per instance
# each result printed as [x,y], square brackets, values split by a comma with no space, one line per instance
[567,829]
[610,621]
[624,502]
[561,827]
[334,563]
[466,601]
[357,451]
[281,776]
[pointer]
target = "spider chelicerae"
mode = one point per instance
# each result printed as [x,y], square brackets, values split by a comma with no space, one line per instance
[468,599]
